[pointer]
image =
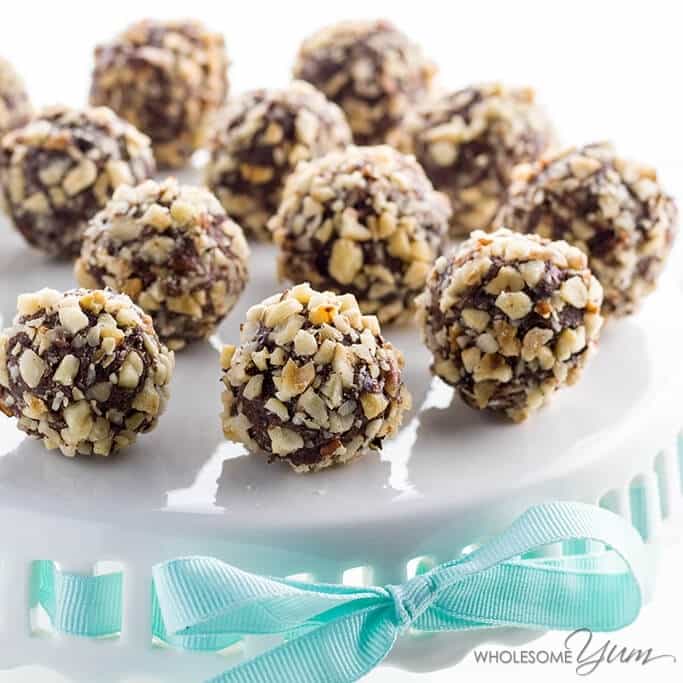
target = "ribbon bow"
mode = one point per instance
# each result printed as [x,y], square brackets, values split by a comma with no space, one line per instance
[337,634]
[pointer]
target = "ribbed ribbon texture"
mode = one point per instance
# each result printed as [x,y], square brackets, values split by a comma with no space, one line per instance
[337,634]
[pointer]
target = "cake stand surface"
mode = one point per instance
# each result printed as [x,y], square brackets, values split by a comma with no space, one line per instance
[451,478]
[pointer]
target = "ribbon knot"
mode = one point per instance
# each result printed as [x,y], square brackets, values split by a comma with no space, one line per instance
[411,599]
[337,634]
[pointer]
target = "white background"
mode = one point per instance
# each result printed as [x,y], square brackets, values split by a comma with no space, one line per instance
[604,70]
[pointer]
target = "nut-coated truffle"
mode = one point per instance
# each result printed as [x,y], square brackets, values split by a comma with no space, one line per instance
[469,141]
[258,141]
[612,209]
[61,168]
[365,221]
[167,78]
[83,371]
[510,319]
[15,106]
[174,251]
[371,70]
[312,382]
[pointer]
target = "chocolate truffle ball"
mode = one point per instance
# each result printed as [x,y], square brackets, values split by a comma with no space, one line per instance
[83,371]
[468,143]
[312,382]
[613,210]
[365,221]
[167,78]
[260,139]
[371,70]
[174,251]
[510,319]
[61,168]
[15,107]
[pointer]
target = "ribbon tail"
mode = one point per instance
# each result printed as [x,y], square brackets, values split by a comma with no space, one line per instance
[342,650]
[204,642]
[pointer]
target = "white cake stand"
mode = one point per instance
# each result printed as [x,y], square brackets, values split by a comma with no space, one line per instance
[450,478]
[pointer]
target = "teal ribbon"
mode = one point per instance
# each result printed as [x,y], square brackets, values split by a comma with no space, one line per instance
[78,605]
[337,634]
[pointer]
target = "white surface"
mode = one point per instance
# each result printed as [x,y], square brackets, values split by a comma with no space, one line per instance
[604,70]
